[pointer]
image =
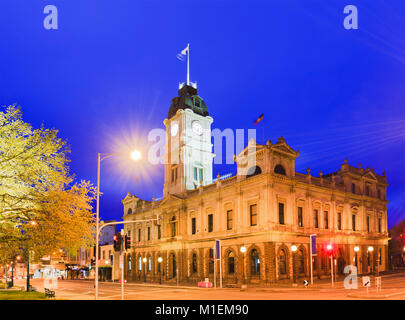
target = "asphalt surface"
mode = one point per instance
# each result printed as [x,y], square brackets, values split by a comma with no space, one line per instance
[393,288]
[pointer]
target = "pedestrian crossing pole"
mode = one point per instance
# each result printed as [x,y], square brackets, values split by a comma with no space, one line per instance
[122,264]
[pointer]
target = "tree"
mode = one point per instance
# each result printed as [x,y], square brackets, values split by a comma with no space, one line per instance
[41,207]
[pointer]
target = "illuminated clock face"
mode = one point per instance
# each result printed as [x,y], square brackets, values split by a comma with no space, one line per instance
[174,129]
[197,127]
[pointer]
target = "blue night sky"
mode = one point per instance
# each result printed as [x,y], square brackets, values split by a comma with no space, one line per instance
[106,77]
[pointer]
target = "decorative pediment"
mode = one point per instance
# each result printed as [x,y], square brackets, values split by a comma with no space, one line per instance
[282,147]
[171,198]
[252,148]
[129,198]
[370,175]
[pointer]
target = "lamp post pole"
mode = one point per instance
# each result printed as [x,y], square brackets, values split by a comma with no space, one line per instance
[12,274]
[97,220]
[135,155]
[28,270]
[160,269]
[370,250]
[294,250]
[144,269]
[356,250]
[243,250]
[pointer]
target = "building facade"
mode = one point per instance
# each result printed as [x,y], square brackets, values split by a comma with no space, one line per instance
[267,208]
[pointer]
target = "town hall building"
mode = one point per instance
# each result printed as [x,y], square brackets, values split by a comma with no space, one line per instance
[267,209]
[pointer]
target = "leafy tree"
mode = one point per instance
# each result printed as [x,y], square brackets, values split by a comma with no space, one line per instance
[41,208]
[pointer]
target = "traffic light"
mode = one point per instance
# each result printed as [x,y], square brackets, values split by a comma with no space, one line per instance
[127,242]
[117,241]
[330,249]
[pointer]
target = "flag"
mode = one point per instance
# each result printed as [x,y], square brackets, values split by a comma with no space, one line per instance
[260,118]
[182,55]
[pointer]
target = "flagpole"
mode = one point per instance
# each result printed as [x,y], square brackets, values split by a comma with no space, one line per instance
[264,142]
[188,64]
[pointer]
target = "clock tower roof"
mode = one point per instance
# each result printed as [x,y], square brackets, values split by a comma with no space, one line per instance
[188,99]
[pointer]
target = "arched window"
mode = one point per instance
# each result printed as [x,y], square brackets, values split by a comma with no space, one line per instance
[300,261]
[211,261]
[231,263]
[158,265]
[139,263]
[253,171]
[129,263]
[173,226]
[194,263]
[254,263]
[282,262]
[129,211]
[279,169]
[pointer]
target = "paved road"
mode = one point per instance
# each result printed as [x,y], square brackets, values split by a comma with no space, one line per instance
[84,290]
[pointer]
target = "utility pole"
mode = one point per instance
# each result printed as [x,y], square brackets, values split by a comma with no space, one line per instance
[28,270]
[122,264]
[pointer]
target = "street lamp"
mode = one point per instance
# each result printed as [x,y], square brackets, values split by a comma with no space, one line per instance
[135,155]
[329,247]
[243,250]
[144,269]
[356,250]
[160,259]
[33,223]
[294,250]
[370,250]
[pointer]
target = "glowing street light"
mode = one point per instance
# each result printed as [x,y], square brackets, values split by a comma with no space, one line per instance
[370,249]
[329,247]
[144,269]
[135,155]
[243,250]
[160,259]
[294,250]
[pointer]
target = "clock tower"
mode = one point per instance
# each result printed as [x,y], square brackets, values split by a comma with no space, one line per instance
[188,149]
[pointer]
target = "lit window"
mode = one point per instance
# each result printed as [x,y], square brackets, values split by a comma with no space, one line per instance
[339,221]
[253,214]
[316,220]
[193,226]
[194,263]
[281,213]
[353,222]
[254,263]
[231,263]
[300,218]
[210,223]
[229,220]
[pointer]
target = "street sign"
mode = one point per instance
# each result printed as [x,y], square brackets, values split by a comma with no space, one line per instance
[218,249]
[305,283]
[313,244]
[366,281]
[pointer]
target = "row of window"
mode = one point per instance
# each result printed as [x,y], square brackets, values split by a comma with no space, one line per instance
[367,191]
[253,221]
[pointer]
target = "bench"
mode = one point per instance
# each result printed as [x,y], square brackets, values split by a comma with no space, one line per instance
[49,293]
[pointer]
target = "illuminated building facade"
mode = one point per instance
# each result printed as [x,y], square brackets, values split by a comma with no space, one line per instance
[267,208]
